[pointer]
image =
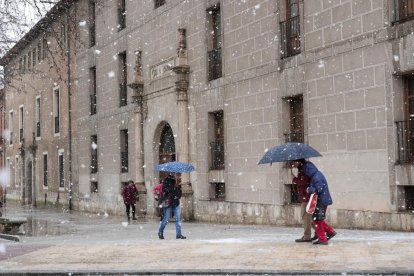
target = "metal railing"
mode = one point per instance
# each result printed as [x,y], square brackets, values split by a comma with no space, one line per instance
[214,64]
[124,161]
[123,97]
[290,37]
[405,141]
[402,10]
[217,155]
[93,104]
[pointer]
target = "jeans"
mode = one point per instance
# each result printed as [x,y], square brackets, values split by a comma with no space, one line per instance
[166,218]
[322,229]
[128,207]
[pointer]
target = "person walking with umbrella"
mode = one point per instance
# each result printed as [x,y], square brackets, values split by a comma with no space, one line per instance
[170,201]
[171,191]
[318,185]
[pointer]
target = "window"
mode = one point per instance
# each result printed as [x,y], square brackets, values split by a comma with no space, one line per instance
[39,52]
[295,131]
[37,114]
[92,20]
[121,15]
[45,48]
[34,59]
[94,153]
[405,129]
[29,60]
[216,138]
[94,186]
[25,67]
[122,75]
[8,172]
[56,110]
[92,78]
[409,198]
[124,150]
[214,42]
[45,170]
[159,3]
[290,30]
[21,64]
[21,123]
[11,119]
[218,191]
[403,10]
[16,171]
[61,179]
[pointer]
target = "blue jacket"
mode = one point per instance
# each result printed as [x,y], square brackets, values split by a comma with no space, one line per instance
[317,183]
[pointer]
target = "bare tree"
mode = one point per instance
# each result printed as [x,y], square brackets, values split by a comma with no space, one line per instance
[16,18]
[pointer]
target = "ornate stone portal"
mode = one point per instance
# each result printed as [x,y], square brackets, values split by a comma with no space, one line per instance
[139,116]
[182,70]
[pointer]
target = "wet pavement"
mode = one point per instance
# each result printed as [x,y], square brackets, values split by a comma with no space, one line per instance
[56,242]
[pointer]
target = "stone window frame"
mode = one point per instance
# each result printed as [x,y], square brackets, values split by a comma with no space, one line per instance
[38,126]
[56,111]
[11,126]
[45,163]
[61,169]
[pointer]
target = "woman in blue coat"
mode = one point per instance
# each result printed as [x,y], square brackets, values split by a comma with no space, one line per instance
[318,185]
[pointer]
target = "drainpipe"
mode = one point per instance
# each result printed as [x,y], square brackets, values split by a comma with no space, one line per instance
[68,21]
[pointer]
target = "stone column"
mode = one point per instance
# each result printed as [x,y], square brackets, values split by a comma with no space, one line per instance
[181,86]
[139,114]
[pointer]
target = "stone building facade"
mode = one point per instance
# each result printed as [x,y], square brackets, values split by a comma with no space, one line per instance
[39,71]
[218,82]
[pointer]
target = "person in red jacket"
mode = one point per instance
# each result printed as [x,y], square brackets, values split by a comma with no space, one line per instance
[302,183]
[130,195]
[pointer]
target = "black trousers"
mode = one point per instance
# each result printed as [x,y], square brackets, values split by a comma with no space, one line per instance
[128,208]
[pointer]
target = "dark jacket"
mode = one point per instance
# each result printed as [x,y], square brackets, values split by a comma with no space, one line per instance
[302,183]
[317,183]
[130,193]
[171,193]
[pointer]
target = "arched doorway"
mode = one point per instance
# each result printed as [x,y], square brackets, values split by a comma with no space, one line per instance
[167,147]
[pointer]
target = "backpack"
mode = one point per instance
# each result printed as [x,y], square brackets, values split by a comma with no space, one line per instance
[157,191]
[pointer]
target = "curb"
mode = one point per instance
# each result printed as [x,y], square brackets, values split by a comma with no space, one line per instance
[205,272]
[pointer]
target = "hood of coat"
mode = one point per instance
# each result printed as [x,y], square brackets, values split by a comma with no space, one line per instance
[309,169]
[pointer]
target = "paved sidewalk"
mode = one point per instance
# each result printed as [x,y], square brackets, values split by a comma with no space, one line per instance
[57,243]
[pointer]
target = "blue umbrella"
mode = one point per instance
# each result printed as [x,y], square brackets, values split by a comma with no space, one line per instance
[288,152]
[175,167]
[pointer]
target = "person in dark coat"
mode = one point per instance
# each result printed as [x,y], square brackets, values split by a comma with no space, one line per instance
[318,185]
[171,203]
[302,182]
[130,195]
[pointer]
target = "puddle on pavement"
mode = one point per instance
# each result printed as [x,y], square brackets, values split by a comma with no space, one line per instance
[39,227]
